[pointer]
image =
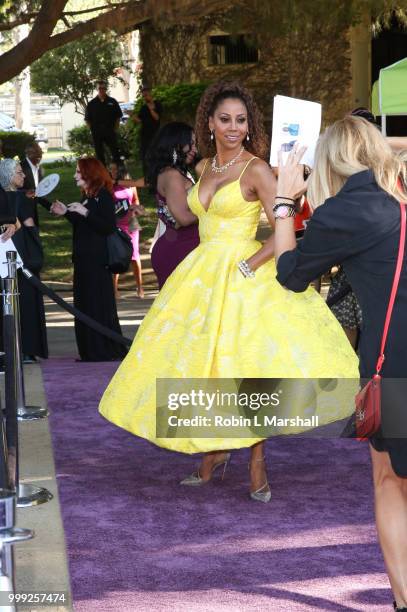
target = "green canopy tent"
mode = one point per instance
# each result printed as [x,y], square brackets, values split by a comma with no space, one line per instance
[389,93]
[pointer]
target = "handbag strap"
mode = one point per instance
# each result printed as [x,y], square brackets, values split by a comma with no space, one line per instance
[394,288]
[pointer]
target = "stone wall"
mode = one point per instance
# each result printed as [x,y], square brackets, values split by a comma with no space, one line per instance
[314,66]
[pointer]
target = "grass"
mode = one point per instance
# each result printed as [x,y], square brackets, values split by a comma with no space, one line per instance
[53,152]
[56,232]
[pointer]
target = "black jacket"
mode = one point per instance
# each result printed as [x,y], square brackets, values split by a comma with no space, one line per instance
[29,185]
[360,229]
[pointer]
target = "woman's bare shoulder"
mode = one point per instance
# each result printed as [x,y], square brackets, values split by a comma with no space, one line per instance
[199,168]
[258,168]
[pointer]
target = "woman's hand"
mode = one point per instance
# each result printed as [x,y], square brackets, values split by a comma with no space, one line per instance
[8,232]
[78,208]
[290,182]
[58,208]
[139,210]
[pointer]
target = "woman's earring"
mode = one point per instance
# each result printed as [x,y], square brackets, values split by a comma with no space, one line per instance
[212,135]
[174,157]
[247,137]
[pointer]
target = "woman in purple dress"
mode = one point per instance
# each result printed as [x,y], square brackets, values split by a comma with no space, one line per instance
[170,154]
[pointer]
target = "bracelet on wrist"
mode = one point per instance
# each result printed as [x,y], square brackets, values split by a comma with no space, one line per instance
[245,269]
[285,204]
[284,198]
[283,211]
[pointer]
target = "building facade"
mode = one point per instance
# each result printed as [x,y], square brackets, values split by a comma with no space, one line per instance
[323,64]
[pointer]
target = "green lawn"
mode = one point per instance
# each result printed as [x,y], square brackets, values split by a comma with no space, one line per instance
[57,232]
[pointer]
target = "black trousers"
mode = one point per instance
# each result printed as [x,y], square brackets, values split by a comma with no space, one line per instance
[108,138]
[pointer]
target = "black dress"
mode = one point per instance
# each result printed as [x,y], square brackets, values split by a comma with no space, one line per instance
[92,281]
[359,228]
[32,313]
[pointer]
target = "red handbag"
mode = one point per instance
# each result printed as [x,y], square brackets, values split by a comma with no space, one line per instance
[368,415]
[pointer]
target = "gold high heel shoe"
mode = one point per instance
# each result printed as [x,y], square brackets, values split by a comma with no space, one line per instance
[196,480]
[263,494]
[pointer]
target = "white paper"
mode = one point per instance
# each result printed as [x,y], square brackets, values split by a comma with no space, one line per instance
[294,121]
[8,245]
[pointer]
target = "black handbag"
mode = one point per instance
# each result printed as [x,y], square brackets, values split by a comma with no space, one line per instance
[119,251]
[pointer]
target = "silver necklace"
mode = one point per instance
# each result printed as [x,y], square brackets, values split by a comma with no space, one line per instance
[219,169]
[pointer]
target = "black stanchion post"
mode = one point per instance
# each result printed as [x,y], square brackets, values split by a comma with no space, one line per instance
[24,412]
[27,494]
[9,535]
[4,475]
[10,382]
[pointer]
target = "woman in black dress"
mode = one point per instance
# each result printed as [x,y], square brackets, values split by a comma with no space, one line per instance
[28,244]
[358,226]
[93,220]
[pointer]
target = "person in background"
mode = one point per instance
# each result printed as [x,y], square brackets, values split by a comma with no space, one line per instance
[28,244]
[33,174]
[172,151]
[103,117]
[356,188]
[93,220]
[127,221]
[149,117]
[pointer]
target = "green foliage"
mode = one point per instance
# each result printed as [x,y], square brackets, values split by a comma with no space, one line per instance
[179,101]
[179,104]
[14,143]
[81,144]
[80,141]
[70,72]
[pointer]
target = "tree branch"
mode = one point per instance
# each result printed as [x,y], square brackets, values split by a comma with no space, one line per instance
[10,25]
[119,18]
[94,9]
[16,59]
[136,14]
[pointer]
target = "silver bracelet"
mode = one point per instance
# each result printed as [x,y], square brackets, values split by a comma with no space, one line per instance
[245,269]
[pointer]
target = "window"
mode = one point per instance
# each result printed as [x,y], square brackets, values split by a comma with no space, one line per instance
[231,50]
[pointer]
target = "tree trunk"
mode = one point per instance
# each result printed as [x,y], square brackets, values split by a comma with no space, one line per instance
[22,91]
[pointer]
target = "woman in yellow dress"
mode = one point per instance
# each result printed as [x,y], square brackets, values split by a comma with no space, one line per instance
[222,313]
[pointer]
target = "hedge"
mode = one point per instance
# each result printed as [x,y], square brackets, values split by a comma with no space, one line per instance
[14,143]
[81,144]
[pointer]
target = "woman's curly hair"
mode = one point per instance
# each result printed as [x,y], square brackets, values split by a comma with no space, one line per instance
[211,98]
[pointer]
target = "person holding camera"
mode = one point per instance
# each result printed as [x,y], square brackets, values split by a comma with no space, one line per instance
[149,118]
[358,191]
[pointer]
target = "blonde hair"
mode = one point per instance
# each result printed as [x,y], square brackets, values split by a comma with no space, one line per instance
[352,145]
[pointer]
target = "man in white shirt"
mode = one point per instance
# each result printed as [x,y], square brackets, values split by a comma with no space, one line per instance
[33,174]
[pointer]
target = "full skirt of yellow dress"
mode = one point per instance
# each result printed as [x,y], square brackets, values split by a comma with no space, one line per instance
[209,321]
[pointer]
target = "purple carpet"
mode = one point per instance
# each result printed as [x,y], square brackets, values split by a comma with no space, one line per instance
[137,541]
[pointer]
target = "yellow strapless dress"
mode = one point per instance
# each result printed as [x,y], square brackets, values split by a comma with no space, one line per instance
[210,322]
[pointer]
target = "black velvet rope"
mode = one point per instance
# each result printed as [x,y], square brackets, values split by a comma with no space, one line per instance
[101,329]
